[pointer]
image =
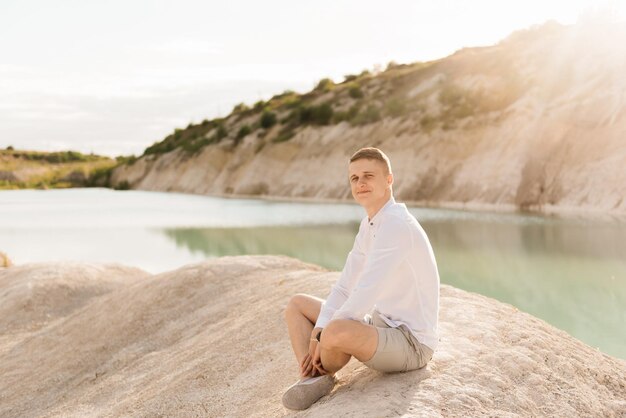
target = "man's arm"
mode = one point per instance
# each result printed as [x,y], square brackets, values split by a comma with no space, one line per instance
[389,249]
[341,290]
[338,295]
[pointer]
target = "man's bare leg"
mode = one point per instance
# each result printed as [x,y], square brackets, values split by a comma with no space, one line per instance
[301,315]
[344,338]
[340,340]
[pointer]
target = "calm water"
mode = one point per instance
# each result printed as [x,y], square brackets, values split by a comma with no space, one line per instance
[569,272]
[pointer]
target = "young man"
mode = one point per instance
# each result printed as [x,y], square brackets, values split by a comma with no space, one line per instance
[384,308]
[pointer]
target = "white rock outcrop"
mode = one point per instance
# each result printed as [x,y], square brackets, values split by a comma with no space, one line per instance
[209,340]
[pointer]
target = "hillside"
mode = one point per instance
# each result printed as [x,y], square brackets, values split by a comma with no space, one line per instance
[21,169]
[209,339]
[536,122]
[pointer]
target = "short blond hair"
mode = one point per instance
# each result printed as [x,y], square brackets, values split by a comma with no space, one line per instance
[371,153]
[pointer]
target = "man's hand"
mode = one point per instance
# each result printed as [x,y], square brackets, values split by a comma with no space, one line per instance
[317,361]
[311,364]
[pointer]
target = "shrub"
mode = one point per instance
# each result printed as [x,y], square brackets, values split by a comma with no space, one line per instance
[258,106]
[355,92]
[288,98]
[123,159]
[241,107]
[221,132]
[243,131]
[284,135]
[60,157]
[191,147]
[162,147]
[123,185]
[349,115]
[268,119]
[99,177]
[317,115]
[322,114]
[10,148]
[340,116]
[302,115]
[354,110]
[282,95]
[325,84]
[370,115]
[292,102]
[349,77]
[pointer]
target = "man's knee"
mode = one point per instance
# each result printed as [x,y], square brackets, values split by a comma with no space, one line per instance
[335,334]
[294,306]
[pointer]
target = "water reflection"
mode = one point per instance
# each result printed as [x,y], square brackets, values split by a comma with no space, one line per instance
[325,245]
[568,273]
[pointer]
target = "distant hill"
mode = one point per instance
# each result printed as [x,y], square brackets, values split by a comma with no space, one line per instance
[537,121]
[41,170]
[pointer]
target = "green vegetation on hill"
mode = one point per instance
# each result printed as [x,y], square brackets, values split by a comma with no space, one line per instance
[54,157]
[437,95]
[466,90]
[43,170]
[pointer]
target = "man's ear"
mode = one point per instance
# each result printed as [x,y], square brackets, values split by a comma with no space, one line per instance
[390,179]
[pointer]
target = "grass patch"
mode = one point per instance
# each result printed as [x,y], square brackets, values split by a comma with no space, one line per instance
[396,107]
[428,123]
[371,114]
[37,170]
[284,136]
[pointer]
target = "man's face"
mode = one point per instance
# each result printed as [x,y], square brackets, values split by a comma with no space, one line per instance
[369,183]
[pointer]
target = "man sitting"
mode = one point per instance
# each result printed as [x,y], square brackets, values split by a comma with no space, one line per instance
[384,308]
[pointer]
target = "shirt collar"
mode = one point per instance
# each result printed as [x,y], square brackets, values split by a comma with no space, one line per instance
[390,202]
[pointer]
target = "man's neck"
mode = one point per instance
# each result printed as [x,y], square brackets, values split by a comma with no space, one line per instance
[372,211]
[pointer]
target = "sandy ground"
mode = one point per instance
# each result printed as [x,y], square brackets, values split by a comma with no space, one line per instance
[209,340]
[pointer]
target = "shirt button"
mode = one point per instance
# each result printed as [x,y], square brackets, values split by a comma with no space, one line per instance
[372,223]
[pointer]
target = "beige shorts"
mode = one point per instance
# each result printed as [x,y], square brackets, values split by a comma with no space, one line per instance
[398,350]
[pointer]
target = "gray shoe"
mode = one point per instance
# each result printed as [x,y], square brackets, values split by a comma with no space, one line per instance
[307,391]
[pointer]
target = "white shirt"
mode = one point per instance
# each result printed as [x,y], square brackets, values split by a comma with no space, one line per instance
[391,268]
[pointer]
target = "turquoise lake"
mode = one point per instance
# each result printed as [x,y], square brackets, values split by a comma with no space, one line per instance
[568,271]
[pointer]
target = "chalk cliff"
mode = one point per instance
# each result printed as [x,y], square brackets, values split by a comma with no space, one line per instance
[537,121]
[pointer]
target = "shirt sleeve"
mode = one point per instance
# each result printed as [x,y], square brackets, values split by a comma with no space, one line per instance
[389,249]
[341,290]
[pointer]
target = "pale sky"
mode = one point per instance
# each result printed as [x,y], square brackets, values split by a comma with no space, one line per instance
[113,77]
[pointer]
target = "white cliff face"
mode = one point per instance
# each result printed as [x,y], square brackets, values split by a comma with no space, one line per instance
[551,135]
